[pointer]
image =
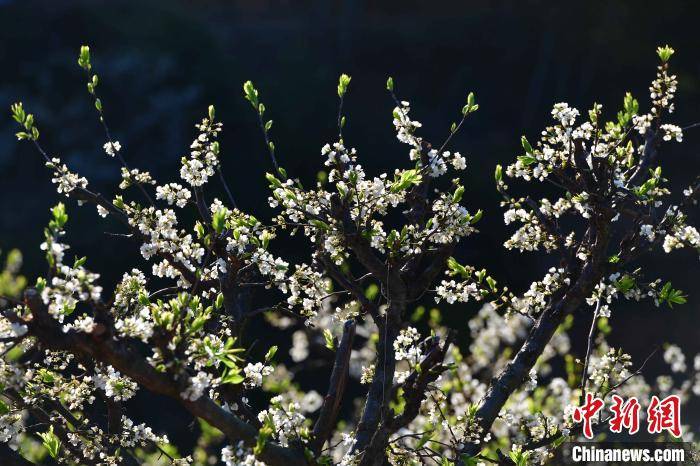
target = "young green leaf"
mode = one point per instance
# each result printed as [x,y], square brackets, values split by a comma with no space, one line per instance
[390,84]
[218,220]
[51,442]
[328,337]
[665,53]
[251,94]
[343,83]
[84,58]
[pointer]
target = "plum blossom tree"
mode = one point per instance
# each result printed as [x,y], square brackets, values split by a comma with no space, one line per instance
[379,248]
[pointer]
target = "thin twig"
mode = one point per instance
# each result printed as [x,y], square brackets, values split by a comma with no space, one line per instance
[591,332]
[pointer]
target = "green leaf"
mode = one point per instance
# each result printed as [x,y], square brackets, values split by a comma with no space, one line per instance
[498,173]
[470,460]
[198,323]
[231,377]
[343,83]
[675,297]
[18,112]
[274,182]
[390,84]
[218,220]
[79,262]
[625,283]
[604,325]
[630,107]
[328,337]
[143,299]
[321,225]
[471,106]
[527,160]
[671,296]
[29,122]
[664,53]
[40,284]
[519,457]
[476,217]
[46,375]
[270,353]
[593,114]
[84,58]
[251,94]
[630,104]
[424,439]
[263,435]
[526,145]
[405,180]
[212,112]
[457,269]
[392,238]
[59,216]
[491,283]
[51,442]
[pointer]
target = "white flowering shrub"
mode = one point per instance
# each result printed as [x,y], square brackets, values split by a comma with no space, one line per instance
[380,246]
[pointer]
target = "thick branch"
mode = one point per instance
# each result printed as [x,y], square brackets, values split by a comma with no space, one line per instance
[131,363]
[347,283]
[648,157]
[380,390]
[415,389]
[514,374]
[336,388]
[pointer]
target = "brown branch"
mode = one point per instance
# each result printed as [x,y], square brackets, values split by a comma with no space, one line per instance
[131,363]
[589,347]
[364,254]
[45,418]
[648,157]
[515,372]
[85,195]
[415,389]
[351,286]
[379,392]
[336,388]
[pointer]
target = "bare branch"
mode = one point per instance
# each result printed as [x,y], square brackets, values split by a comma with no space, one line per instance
[336,388]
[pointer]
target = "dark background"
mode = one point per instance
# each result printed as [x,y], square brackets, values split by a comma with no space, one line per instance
[162,62]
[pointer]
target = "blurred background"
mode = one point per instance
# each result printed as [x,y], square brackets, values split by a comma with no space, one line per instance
[162,62]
